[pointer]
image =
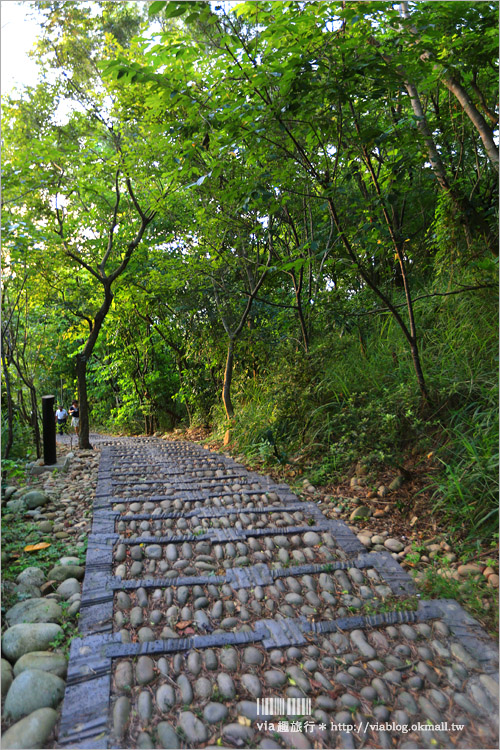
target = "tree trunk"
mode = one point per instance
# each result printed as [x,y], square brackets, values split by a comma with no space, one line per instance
[228,375]
[10,408]
[34,421]
[83,403]
[470,109]
[419,373]
[81,367]
[297,287]
[410,337]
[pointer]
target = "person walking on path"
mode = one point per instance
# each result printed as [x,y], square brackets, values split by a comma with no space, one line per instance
[61,419]
[74,413]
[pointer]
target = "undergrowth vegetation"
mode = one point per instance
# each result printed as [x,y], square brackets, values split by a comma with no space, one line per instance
[349,402]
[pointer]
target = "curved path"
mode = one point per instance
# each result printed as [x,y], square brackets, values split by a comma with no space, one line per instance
[220,610]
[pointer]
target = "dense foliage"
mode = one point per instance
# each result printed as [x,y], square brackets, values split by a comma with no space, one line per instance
[278,216]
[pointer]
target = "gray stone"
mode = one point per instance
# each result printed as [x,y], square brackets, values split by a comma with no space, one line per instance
[165,697]
[394,545]
[325,702]
[396,483]
[121,716]
[203,688]
[211,661]
[68,560]
[293,598]
[202,620]
[171,552]
[35,499]
[381,688]
[145,706]
[47,661]
[68,587]
[33,689]
[167,736]
[62,572]
[20,639]
[155,617]
[311,538]
[144,741]
[360,512]
[145,634]
[27,591]
[124,676]
[252,683]
[201,602]
[186,689]
[283,556]
[238,732]
[31,732]
[194,662]
[215,712]
[34,610]
[229,659]
[153,551]
[136,617]
[7,676]
[123,600]
[194,730]
[226,686]
[295,740]
[16,505]
[358,640]
[144,671]
[31,576]
[249,709]
[253,656]
[429,711]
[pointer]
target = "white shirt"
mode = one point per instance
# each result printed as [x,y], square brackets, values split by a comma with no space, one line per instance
[61,413]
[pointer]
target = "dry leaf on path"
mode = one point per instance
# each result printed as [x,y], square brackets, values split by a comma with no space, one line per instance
[183,624]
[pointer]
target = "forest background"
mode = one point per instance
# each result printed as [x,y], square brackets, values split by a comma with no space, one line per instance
[274,217]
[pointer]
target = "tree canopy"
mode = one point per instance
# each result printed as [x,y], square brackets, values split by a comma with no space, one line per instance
[279,217]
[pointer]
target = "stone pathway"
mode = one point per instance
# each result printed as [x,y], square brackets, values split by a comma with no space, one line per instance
[219,610]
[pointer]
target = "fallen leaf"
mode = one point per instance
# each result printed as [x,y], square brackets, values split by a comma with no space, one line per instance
[183,624]
[35,547]
[244,721]
[188,631]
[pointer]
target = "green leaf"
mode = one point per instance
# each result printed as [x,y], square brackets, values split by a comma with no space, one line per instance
[156,7]
[173,11]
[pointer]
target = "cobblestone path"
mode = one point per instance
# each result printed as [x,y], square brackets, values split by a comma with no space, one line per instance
[220,610]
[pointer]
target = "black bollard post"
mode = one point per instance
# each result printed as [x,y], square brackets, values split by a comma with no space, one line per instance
[49,430]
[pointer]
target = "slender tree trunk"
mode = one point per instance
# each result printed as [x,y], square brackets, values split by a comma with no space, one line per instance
[10,408]
[83,403]
[468,216]
[181,381]
[366,277]
[470,109]
[34,421]
[297,287]
[228,375]
[81,367]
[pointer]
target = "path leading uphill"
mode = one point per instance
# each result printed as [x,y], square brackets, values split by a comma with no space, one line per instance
[220,610]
